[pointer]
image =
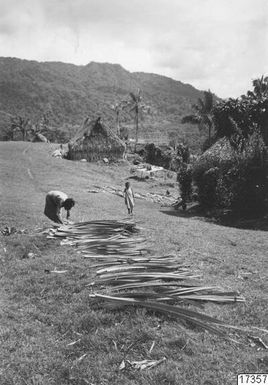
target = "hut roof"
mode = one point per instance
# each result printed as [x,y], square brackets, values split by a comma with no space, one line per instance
[220,152]
[95,140]
[94,127]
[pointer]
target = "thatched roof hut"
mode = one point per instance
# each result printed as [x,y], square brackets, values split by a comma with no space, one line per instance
[220,154]
[95,141]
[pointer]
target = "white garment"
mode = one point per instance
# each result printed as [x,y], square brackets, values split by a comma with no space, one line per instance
[129,198]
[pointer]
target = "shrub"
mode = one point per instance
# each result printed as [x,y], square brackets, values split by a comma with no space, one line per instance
[243,188]
[158,156]
[232,173]
[248,112]
[238,184]
[206,172]
[207,187]
[183,152]
[184,178]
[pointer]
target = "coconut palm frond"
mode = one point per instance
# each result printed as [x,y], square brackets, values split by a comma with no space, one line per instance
[260,87]
[134,277]
[103,237]
[202,113]
[208,101]
[132,108]
[200,105]
[198,319]
[124,104]
[163,282]
[250,94]
[133,97]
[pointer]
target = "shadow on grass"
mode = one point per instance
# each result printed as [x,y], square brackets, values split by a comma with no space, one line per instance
[245,224]
[179,213]
[196,212]
[193,210]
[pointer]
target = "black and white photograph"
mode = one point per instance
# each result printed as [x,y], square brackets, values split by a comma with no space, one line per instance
[133,192]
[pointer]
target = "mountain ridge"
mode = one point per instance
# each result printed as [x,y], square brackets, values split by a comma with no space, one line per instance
[72,92]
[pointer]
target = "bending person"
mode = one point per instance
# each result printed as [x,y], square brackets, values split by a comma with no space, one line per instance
[55,201]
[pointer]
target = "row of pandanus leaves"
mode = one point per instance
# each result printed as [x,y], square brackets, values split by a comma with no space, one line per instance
[126,270]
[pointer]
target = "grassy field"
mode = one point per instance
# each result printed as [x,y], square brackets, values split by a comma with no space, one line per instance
[51,332]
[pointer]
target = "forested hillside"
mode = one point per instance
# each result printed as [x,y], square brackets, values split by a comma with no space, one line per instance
[68,93]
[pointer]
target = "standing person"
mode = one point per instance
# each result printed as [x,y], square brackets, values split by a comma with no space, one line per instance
[55,201]
[129,198]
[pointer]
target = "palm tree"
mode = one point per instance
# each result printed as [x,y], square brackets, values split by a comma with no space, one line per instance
[118,107]
[203,113]
[260,86]
[136,104]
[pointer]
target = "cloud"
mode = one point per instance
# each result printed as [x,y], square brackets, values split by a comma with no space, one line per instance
[222,52]
[216,44]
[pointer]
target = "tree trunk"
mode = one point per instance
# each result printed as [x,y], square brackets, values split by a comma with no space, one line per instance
[137,128]
[23,131]
[118,124]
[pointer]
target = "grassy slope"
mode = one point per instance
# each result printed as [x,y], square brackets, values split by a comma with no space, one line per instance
[41,313]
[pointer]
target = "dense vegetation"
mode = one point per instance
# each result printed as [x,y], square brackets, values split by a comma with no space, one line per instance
[232,174]
[66,94]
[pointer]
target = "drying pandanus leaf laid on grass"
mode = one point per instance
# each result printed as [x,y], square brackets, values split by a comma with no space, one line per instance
[163,285]
[135,278]
[103,237]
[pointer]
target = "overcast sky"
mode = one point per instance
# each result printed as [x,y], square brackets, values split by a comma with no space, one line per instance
[212,44]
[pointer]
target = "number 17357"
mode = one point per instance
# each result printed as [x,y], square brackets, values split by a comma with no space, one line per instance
[252,378]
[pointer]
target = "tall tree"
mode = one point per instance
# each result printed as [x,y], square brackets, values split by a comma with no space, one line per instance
[7,132]
[22,124]
[137,106]
[202,115]
[260,87]
[243,116]
[118,108]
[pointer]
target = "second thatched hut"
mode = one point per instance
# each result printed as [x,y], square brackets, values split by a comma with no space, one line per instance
[95,141]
